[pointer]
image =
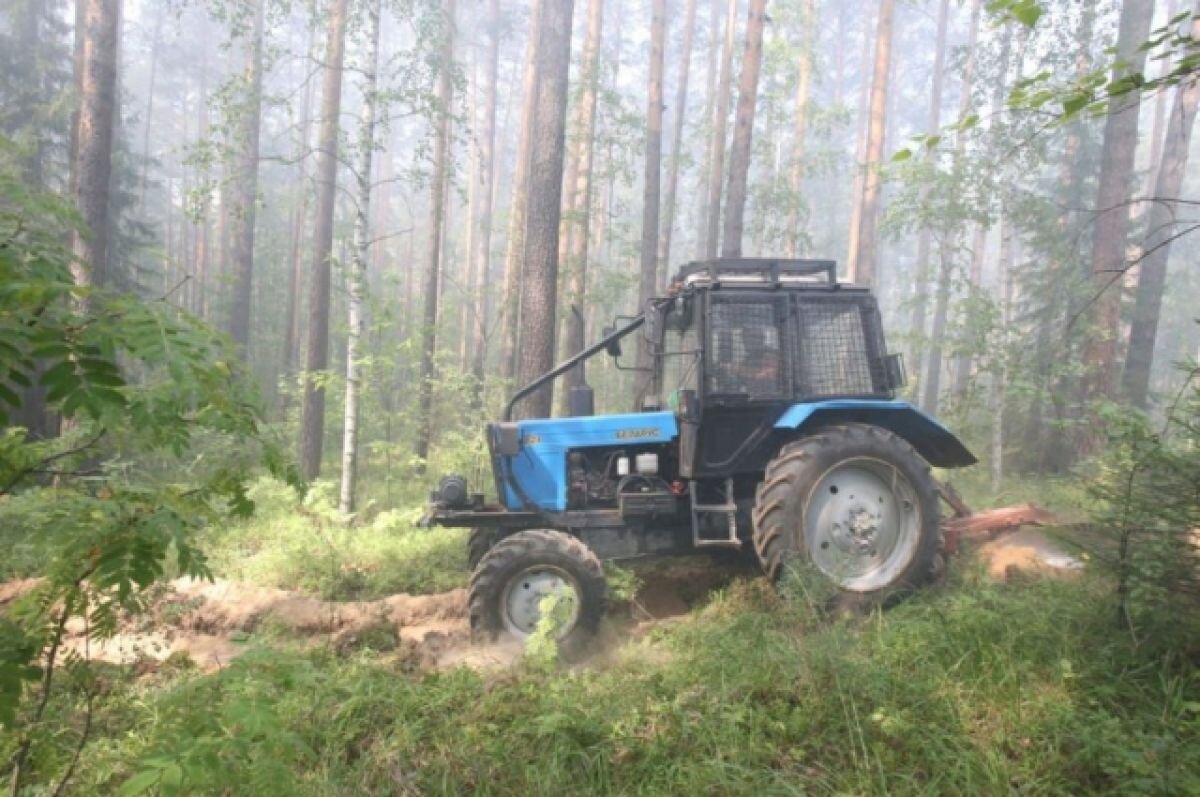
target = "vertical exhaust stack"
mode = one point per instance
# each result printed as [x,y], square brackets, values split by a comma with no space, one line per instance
[581,401]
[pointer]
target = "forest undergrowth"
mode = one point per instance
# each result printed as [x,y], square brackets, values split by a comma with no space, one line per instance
[972,687]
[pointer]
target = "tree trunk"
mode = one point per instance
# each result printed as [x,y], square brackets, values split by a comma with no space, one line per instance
[652,169]
[291,325]
[148,123]
[539,276]
[681,95]
[710,118]
[743,131]
[860,152]
[437,183]
[1000,375]
[1112,203]
[579,227]
[931,386]
[933,124]
[716,157]
[481,253]
[97,82]
[248,111]
[795,226]
[1156,249]
[356,279]
[863,267]
[317,354]
[514,254]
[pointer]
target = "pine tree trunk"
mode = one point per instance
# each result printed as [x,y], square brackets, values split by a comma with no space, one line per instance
[716,157]
[148,122]
[860,153]
[248,111]
[317,353]
[933,125]
[97,80]
[863,267]
[481,253]
[652,168]
[579,227]
[291,323]
[1000,376]
[710,118]
[539,276]
[356,279]
[743,131]
[438,180]
[681,96]
[795,226]
[1162,227]
[511,322]
[1112,204]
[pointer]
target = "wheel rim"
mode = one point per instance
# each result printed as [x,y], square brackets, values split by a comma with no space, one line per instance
[521,603]
[862,524]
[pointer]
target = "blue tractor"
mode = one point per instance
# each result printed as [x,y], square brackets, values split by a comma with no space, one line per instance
[767,420]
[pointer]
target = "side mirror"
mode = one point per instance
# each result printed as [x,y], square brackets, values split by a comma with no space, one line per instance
[894,372]
[614,346]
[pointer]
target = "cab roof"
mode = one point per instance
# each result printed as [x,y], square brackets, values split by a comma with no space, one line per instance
[759,273]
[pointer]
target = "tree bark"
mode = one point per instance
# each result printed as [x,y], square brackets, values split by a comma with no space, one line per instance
[149,121]
[681,96]
[539,276]
[94,138]
[863,268]
[245,192]
[1112,204]
[437,183]
[514,254]
[291,325]
[716,157]
[710,119]
[1162,227]
[933,124]
[579,227]
[481,253]
[743,131]
[932,384]
[317,354]
[795,225]
[356,279]
[860,152]
[652,168]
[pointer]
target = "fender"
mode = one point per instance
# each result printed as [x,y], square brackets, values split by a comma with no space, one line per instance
[937,444]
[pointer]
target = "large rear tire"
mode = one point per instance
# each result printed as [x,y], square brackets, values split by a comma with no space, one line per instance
[508,586]
[855,502]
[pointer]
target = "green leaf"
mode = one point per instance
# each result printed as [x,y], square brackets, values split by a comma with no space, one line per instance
[902,155]
[140,783]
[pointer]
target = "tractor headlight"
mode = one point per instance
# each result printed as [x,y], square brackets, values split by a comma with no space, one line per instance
[647,463]
[452,492]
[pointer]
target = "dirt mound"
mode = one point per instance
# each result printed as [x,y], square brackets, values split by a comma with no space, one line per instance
[1027,551]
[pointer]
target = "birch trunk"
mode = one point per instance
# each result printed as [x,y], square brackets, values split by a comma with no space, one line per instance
[356,279]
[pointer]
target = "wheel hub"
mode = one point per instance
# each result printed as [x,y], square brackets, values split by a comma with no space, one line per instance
[861,524]
[525,597]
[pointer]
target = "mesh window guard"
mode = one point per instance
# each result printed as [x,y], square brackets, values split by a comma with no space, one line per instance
[839,349]
[745,350]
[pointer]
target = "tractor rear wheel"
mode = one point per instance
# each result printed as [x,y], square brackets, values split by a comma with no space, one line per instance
[857,503]
[509,587]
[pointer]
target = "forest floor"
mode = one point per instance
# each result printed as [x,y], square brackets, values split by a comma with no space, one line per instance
[211,622]
[328,661]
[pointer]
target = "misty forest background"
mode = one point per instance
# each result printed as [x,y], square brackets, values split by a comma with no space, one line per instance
[254,243]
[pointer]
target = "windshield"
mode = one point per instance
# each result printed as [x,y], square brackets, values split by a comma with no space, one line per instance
[678,352]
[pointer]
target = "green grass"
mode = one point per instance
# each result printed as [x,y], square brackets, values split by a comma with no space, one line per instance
[971,689]
[304,546]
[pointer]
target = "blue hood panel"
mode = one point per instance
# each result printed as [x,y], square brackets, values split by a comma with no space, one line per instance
[933,441]
[541,465]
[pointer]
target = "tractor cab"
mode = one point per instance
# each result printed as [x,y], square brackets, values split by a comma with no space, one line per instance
[766,375]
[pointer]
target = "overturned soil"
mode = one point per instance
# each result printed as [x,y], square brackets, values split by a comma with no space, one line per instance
[213,622]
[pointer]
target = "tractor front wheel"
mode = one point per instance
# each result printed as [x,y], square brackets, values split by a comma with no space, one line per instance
[855,502]
[521,575]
